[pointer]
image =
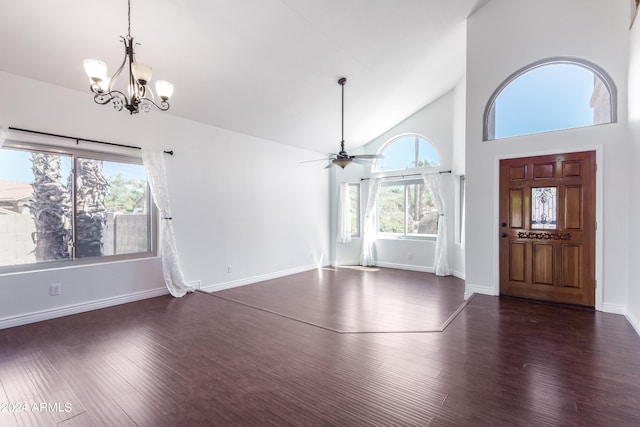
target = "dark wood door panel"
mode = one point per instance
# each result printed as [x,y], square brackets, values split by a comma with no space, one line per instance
[547,230]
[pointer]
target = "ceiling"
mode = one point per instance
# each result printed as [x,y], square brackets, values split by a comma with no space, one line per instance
[266,68]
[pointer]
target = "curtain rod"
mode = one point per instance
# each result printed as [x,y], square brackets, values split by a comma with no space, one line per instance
[77,140]
[410,174]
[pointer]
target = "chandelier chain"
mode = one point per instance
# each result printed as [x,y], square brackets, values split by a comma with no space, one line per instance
[129,18]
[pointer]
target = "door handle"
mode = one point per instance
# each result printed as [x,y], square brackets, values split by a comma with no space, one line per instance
[504,224]
[503,235]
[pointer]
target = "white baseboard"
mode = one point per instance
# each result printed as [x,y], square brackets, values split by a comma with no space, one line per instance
[38,316]
[405,267]
[475,289]
[346,262]
[635,322]
[255,279]
[411,267]
[613,308]
[458,274]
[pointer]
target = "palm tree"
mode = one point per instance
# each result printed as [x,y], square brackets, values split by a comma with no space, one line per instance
[91,213]
[50,208]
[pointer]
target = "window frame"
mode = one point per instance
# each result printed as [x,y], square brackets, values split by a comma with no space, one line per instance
[152,216]
[404,236]
[488,119]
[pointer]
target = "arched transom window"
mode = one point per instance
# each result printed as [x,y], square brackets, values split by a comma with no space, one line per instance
[548,95]
[406,152]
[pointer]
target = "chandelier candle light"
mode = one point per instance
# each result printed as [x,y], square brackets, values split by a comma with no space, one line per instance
[139,77]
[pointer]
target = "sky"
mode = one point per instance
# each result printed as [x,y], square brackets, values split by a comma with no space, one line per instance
[547,98]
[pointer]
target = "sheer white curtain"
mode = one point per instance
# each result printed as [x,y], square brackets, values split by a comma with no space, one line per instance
[3,134]
[157,177]
[440,263]
[343,223]
[369,228]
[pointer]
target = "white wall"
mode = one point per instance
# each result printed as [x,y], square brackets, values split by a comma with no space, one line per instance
[633,299]
[457,261]
[436,123]
[235,203]
[502,37]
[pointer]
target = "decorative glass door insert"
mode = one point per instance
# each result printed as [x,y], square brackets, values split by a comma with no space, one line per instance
[544,208]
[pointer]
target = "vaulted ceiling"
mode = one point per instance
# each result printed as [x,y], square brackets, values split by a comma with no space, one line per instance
[267,68]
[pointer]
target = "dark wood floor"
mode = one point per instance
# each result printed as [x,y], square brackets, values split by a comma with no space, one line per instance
[204,360]
[358,300]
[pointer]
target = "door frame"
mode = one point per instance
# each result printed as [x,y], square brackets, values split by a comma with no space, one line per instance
[599,211]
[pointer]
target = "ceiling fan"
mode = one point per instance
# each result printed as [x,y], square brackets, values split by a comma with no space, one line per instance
[342,158]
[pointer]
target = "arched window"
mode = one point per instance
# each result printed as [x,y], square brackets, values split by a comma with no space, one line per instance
[406,152]
[548,95]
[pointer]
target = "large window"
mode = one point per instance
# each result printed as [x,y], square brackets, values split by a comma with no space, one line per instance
[554,94]
[62,206]
[405,209]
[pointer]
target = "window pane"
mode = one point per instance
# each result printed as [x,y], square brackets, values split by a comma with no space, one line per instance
[111,207]
[391,209]
[550,97]
[35,207]
[543,208]
[422,216]
[354,208]
[406,152]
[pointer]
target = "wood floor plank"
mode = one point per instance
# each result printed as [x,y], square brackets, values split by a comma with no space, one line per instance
[101,409]
[7,412]
[58,399]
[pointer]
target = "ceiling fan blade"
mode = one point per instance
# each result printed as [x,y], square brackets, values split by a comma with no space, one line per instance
[317,160]
[330,165]
[361,161]
[369,156]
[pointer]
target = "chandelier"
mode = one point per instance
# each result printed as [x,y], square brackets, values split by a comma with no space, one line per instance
[138,94]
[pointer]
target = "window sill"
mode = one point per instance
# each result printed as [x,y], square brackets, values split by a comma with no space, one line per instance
[68,265]
[428,238]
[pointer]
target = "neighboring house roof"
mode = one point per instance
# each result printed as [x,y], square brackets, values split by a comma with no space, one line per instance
[12,191]
[13,196]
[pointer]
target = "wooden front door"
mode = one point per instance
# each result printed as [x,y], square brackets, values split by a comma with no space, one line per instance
[548,227]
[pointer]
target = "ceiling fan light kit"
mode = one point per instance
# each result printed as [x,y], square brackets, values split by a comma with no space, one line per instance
[137,94]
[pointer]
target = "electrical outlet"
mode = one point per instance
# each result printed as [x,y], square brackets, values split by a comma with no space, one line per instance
[409,256]
[229,269]
[55,289]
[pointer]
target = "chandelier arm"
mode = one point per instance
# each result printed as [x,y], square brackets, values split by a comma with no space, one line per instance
[121,67]
[164,105]
[118,99]
[96,89]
